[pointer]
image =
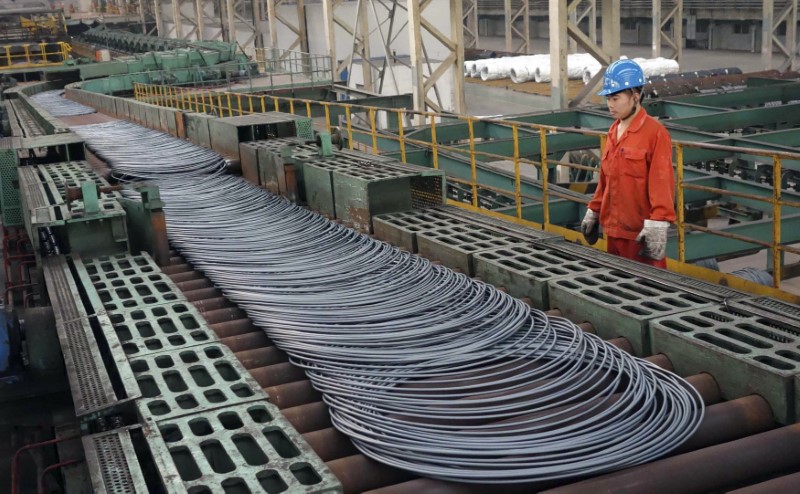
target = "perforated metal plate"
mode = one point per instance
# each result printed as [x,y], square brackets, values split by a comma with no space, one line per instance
[524,269]
[718,293]
[455,246]
[192,380]
[9,188]
[89,380]
[242,448]
[770,307]
[620,304]
[125,281]
[112,463]
[156,328]
[401,229]
[745,352]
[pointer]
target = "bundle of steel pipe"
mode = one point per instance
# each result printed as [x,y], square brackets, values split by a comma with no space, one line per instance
[423,368]
[58,106]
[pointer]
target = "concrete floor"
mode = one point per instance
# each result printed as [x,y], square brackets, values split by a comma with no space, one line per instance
[490,101]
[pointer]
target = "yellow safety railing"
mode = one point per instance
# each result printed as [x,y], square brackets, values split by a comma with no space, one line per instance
[25,55]
[232,104]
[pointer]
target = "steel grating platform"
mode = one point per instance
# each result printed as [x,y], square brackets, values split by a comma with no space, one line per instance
[192,380]
[93,388]
[126,281]
[746,352]
[242,448]
[113,464]
[155,329]
[620,304]
[525,269]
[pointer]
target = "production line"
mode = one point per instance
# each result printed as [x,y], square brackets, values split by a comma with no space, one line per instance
[372,329]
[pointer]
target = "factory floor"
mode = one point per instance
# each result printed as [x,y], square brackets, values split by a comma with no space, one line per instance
[484,100]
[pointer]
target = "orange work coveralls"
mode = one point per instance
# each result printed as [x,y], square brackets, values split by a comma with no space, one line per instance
[636,184]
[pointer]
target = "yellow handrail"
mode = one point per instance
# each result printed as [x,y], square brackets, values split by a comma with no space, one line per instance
[144,92]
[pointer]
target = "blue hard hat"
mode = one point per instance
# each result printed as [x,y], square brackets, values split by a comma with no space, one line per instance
[621,75]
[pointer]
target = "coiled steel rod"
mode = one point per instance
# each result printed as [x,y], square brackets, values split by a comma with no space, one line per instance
[423,368]
[58,106]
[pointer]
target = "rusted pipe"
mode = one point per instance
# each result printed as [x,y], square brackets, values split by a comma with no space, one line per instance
[709,469]
[234,328]
[185,276]
[621,343]
[212,304]
[248,341]
[432,486]
[661,360]
[330,444]
[52,468]
[787,483]
[293,394]
[223,315]
[358,473]
[729,421]
[28,447]
[259,357]
[202,294]
[173,269]
[187,286]
[277,374]
[707,386]
[309,417]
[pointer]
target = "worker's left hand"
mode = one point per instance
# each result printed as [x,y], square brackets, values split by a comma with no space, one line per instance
[654,235]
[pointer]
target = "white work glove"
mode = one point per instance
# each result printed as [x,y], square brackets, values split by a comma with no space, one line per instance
[654,235]
[589,222]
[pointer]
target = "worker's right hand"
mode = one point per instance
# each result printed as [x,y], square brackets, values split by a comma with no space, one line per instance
[589,222]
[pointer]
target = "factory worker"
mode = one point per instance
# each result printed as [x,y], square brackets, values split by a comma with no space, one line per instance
[634,197]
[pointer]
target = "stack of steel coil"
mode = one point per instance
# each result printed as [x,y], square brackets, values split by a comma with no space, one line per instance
[423,368]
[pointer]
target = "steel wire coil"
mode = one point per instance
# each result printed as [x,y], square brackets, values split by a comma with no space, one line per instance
[57,105]
[423,368]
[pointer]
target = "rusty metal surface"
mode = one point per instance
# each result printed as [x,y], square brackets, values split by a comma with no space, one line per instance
[708,469]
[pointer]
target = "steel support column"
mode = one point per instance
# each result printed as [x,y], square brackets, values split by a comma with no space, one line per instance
[512,14]
[771,22]
[453,63]
[199,12]
[159,18]
[300,39]
[177,21]
[141,17]
[558,53]
[230,7]
[470,15]
[578,11]
[675,39]
[560,27]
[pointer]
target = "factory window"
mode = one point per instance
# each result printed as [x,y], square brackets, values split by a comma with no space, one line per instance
[629,24]
[741,28]
[781,31]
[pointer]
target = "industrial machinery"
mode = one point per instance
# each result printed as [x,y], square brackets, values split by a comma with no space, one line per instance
[170,341]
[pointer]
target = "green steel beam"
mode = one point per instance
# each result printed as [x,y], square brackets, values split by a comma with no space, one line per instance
[677,109]
[705,245]
[750,97]
[778,116]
